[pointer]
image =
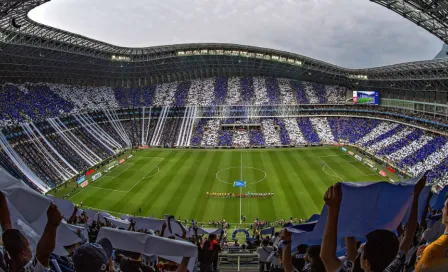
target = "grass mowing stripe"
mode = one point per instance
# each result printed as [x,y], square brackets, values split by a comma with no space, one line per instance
[284,180]
[264,206]
[170,197]
[207,183]
[129,202]
[157,184]
[232,206]
[189,187]
[302,181]
[294,175]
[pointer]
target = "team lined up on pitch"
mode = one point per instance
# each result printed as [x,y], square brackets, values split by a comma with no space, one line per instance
[233,195]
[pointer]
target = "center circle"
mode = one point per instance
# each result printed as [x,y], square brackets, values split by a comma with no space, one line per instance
[265,175]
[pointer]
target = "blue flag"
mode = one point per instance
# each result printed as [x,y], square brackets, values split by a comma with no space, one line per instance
[365,207]
[437,200]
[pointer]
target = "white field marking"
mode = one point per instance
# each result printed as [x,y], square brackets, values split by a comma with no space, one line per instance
[75,194]
[116,176]
[335,155]
[151,157]
[330,174]
[145,176]
[361,170]
[100,188]
[249,167]
[331,169]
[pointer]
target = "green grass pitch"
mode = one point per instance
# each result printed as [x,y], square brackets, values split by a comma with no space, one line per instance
[173,181]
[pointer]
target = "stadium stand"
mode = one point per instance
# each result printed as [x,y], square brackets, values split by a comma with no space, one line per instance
[92,231]
[271,135]
[322,129]
[100,119]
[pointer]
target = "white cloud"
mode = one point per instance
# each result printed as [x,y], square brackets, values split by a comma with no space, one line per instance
[350,33]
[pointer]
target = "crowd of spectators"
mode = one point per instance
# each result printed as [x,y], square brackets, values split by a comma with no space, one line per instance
[376,132]
[271,134]
[210,137]
[322,129]
[108,128]
[308,131]
[390,139]
[295,134]
[261,91]
[69,238]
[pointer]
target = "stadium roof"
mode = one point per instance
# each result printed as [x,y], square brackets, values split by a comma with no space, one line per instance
[33,52]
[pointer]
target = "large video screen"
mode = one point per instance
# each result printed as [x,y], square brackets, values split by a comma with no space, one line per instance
[366,97]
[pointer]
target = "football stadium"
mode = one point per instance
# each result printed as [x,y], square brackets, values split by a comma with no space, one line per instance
[219,156]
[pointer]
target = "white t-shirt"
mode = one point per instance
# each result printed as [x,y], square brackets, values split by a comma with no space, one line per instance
[264,252]
[33,266]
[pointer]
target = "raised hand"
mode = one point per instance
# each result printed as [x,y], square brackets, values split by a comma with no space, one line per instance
[333,196]
[420,184]
[53,215]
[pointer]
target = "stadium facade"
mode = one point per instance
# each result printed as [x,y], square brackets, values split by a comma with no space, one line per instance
[65,92]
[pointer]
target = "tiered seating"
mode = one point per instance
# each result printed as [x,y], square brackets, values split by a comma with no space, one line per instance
[201,92]
[210,137]
[382,128]
[271,136]
[408,149]
[261,92]
[414,135]
[334,125]
[322,129]
[148,95]
[233,91]
[225,138]
[307,130]
[423,152]
[220,91]
[87,98]
[284,135]
[21,104]
[439,174]
[390,140]
[353,129]
[247,91]
[299,89]
[335,94]
[273,91]
[430,161]
[395,129]
[164,95]
[320,91]
[256,137]
[311,94]
[181,94]
[286,93]
[240,138]
[295,134]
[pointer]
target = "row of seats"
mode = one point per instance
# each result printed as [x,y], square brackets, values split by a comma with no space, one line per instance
[409,148]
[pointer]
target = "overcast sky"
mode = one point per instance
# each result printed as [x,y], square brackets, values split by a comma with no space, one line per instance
[349,33]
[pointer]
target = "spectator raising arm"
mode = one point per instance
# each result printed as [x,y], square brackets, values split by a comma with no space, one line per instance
[184,231]
[47,242]
[411,225]
[333,198]
[286,256]
[183,266]
[72,219]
